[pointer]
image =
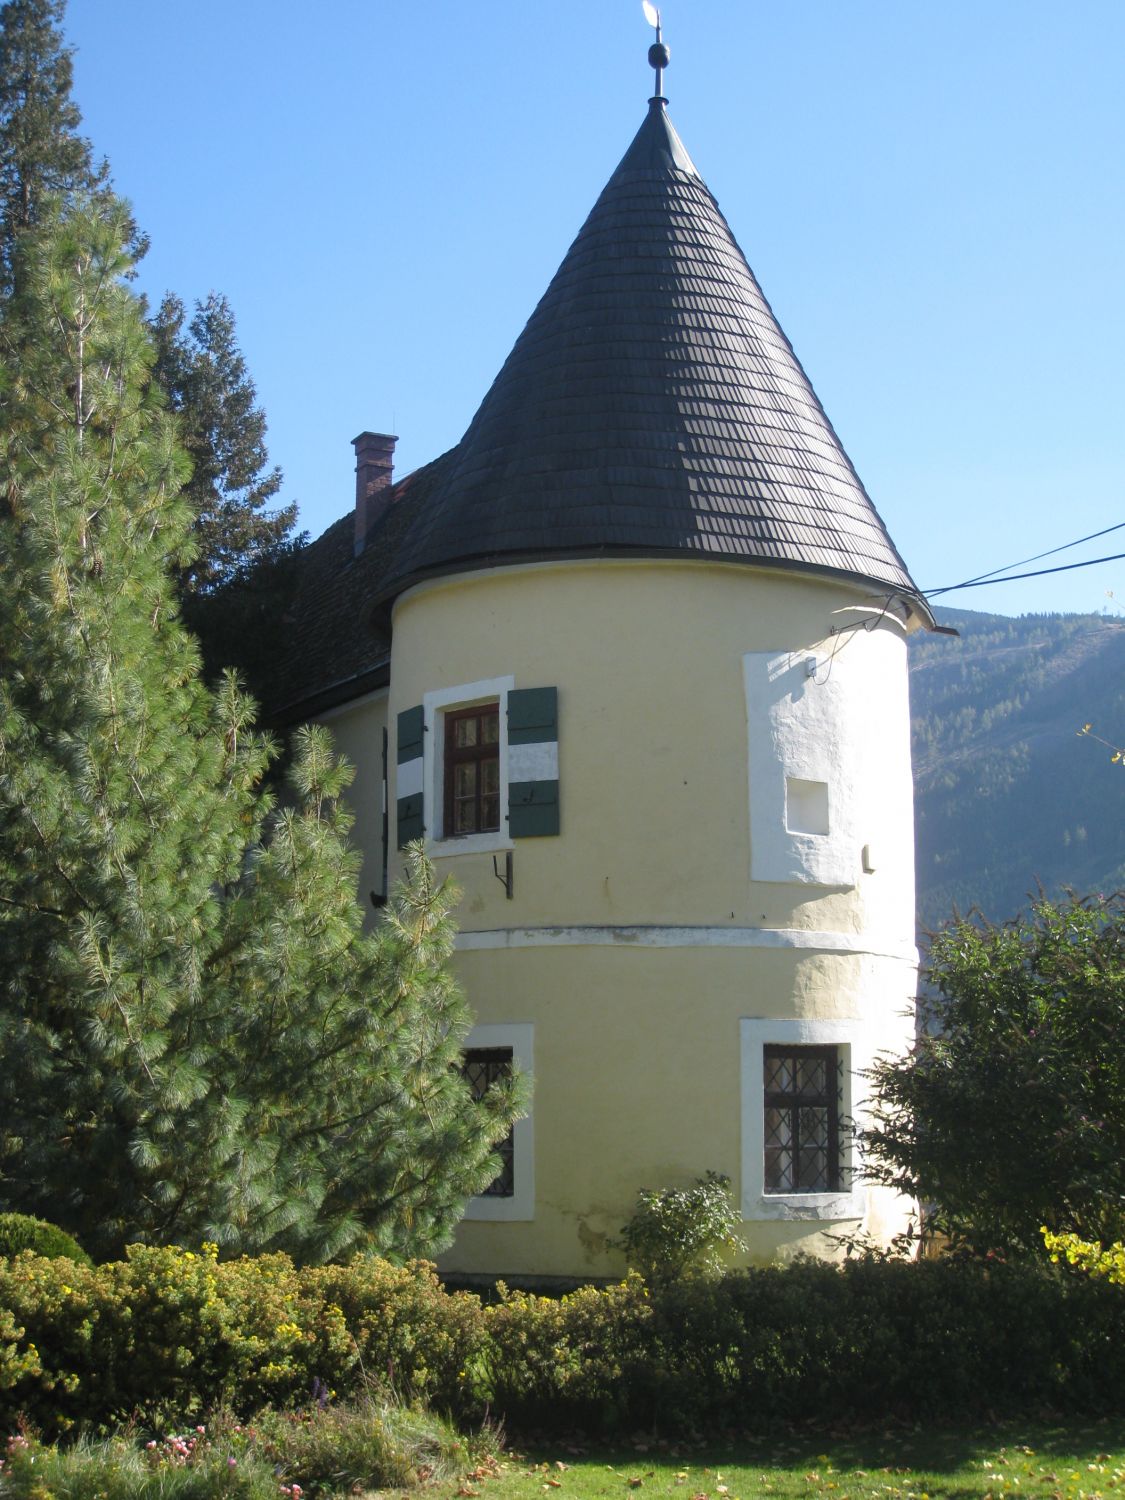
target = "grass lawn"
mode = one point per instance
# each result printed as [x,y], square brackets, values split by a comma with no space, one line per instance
[1076,1461]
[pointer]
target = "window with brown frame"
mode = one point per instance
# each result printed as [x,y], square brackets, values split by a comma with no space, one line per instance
[472,770]
[482,1067]
[802,1104]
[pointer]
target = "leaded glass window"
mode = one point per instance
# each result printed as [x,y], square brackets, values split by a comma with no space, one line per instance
[803,1089]
[482,1067]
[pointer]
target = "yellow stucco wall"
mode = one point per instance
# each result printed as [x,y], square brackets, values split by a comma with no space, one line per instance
[647,659]
[639,1072]
[357,731]
[638,1083]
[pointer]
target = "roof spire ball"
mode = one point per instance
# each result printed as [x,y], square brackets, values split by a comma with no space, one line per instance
[658,54]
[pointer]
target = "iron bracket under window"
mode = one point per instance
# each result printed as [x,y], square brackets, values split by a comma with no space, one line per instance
[507,880]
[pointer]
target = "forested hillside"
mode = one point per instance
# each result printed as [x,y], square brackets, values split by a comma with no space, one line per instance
[1007,793]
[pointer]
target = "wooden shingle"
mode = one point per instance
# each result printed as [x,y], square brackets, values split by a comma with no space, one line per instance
[652,405]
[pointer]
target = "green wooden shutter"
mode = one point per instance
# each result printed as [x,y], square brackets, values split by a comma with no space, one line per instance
[410,806]
[533,762]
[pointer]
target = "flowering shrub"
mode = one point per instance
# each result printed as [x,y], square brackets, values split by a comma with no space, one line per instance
[1106,1261]
[335,1450]
[571,1361]
[408,1335]
[169,1335]
[188,1468]
[174,1332]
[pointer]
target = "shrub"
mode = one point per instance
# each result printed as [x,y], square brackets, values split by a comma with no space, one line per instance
[674,1230]
[120,1469]
[22,1232]
[809,1341]
[170,1333]
[283,1456]
[1107,1261]
[574,1361]
[371,1445]
[167,1334]
[1018,1052]
[410,1339]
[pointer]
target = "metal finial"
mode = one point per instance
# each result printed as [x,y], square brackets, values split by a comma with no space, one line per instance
[658,54]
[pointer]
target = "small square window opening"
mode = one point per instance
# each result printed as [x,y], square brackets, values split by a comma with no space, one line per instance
[806,806]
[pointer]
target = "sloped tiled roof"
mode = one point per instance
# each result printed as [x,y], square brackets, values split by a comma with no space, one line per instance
[652,405]
[332,644]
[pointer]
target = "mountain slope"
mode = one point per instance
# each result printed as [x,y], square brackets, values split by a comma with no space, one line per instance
[1007,795]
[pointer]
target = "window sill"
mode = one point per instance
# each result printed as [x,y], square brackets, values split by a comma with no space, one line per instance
[825,1207]
[500,1210]
[469,843]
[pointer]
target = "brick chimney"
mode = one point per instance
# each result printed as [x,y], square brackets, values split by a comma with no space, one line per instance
[374,465]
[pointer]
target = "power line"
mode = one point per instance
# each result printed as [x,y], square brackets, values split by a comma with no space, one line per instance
[985,580]
[983,577]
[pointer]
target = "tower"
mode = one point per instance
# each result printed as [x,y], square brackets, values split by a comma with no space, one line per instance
[646,699]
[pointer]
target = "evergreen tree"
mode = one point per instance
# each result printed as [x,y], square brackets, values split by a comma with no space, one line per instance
[197,1038]
[202,370]
[44,157]
[41,152]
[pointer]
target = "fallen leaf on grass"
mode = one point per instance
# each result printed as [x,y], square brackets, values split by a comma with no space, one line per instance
[635,1483]
[465,1490]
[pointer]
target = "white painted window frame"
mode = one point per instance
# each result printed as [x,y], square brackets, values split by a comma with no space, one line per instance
[435,706]
[519,1035]
[852,1041]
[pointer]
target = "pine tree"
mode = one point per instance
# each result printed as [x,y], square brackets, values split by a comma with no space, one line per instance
[42,155]
[197,1038]
[44,159]
[202,370]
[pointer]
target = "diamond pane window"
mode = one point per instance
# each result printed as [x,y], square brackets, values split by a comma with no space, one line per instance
[482,1067]
[472,770]
[802,1119]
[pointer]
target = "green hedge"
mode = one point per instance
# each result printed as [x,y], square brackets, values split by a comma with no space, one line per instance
[169,1334]
[866,1341]
[22,1232]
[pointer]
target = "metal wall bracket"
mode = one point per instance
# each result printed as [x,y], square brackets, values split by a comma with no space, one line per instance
[507,880]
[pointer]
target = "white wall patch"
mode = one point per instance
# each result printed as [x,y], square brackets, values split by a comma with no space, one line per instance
[805,772]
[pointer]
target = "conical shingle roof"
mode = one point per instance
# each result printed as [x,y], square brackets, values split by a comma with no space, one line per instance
[653,406]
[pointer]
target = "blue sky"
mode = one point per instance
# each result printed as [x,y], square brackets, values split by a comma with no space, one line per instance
[931,197]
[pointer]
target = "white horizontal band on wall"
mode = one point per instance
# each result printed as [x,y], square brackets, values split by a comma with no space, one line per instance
[534,762]
[684,937]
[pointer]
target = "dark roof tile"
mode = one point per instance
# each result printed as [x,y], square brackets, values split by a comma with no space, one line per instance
[652,406]
[652,373]
[331,644]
